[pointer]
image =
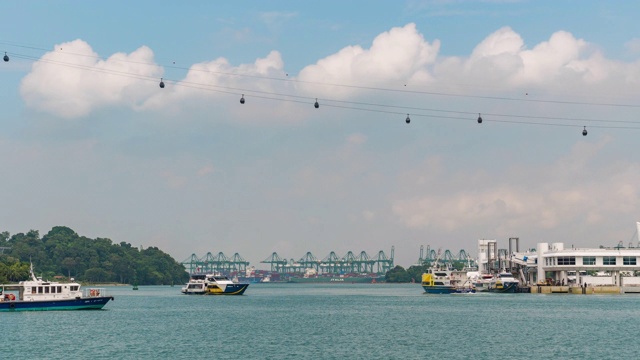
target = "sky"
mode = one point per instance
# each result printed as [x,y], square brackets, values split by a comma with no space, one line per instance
[90,141]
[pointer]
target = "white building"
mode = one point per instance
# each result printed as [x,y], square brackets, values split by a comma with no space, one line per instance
[614,266]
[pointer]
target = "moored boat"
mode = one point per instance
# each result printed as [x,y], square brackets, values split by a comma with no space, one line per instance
[40,295]
[484,282]
[505,283]
[445,281]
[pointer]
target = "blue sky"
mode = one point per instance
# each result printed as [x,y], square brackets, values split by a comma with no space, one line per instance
[90,141]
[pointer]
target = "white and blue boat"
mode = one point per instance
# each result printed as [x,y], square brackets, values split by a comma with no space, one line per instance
[505,283]
[40,295]
[210,284]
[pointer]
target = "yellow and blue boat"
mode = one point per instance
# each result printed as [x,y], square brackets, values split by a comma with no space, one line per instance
[445,281]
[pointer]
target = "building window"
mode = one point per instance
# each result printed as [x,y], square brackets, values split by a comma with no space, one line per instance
[589,260]
[628,260]
[566,260]
[608,260]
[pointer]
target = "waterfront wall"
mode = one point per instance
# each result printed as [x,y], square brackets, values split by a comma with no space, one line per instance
[589,290]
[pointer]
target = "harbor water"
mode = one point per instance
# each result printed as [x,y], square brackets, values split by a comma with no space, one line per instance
[330,321]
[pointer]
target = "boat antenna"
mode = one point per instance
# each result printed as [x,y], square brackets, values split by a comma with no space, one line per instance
[33,275]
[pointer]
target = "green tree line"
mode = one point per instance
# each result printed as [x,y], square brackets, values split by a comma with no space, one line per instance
[62,252]
[401,275]
[414,273]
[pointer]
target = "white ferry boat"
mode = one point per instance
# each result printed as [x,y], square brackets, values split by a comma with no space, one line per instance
[38,295]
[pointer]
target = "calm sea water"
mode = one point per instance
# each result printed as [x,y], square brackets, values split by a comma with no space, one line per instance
[330,321]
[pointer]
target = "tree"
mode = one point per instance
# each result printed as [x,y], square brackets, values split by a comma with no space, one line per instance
[416,272]
[398,275]
[96,275]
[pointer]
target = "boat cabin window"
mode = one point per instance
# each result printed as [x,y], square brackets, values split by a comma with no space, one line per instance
[40,291]
[74,288]
[59,289]
[46,289]
[438,283]
[34,290]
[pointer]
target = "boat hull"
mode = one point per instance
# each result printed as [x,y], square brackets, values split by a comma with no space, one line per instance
[229,289]
[507,288]
[198,292]
[436,289]
[443,289]
[93,303]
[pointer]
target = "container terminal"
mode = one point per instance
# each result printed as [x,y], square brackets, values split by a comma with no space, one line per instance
[547,268]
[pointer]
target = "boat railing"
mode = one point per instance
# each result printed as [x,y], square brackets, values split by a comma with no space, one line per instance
[94,292]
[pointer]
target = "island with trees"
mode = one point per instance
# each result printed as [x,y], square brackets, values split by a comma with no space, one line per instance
[63,254]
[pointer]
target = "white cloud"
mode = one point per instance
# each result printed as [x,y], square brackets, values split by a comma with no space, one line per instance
[498,64]
[396,56]
[73,81]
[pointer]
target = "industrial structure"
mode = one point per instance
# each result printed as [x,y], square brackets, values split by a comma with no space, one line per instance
[219,263]
[459,259]
[332,263]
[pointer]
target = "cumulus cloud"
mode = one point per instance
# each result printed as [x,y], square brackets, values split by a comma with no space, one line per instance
[398,55]
[72,80]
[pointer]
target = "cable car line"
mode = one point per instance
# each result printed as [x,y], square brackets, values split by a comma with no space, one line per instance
[333,102]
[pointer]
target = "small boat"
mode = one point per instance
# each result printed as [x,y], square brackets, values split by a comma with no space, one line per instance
[445,281]
[196,286]
[40,295]
[209,284]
